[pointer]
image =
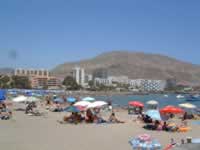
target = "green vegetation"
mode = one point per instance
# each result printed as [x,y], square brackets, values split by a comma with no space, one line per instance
[14,82]
[71,84]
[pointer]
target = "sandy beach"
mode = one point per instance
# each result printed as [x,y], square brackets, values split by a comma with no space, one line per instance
[25,132]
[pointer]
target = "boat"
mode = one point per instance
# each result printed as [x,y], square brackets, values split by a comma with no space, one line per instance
[192,98]
[180,96]
[166,96]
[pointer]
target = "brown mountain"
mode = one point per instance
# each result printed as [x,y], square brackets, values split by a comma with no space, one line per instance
[136,65]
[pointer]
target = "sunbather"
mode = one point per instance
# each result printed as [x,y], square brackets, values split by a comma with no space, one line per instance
[89,116]
[113,119]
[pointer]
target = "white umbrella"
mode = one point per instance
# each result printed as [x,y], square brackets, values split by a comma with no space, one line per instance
[32,99]
[89,99]
[82,103]
[188,105]
[152,102]
[97,104]
[20,99]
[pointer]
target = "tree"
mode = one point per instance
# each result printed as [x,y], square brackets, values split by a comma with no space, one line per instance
[4,81]
[71,84]
[20,82]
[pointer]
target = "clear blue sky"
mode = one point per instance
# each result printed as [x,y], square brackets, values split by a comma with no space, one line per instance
[44,33]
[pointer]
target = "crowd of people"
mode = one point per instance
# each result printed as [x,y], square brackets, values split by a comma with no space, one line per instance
[158,125]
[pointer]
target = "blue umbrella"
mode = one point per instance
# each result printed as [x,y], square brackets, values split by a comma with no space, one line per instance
[2,95]
[59,100]
[154,114]
[71,109]
[71,99]
[89,99]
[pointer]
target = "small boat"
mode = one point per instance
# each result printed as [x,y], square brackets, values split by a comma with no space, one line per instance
[192,98]
[180,96]
[166,96]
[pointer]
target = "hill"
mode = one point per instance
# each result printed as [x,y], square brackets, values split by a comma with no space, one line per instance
[6,71]
[136,65]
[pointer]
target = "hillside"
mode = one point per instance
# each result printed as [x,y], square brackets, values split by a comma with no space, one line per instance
[6,71]
[136,65]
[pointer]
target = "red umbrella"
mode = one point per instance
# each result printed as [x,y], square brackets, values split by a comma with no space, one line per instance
[171,109]
[136,104]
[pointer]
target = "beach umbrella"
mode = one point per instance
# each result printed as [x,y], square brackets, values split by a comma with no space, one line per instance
[97,104]
[188,106]
[171,109]
[154,114]
[32,99]
[20,98]
[71,109]
[2,95]
[152,102]
[82,103]
[89,99]
[71,99]
[136,104]
[58,100]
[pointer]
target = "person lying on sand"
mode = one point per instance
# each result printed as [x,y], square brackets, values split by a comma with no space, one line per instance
[113,119]
[73,118]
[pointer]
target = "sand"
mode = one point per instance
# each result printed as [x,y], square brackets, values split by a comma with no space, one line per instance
[25,132]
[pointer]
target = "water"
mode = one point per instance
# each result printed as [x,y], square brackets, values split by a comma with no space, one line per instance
[163,101]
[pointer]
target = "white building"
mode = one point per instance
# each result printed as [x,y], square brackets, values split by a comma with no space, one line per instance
[79,75]
[119,79]
[32,72]
[88,77]
[153,85]
[106,82]
[136,83]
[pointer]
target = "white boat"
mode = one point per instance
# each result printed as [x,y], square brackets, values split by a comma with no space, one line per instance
[166,96]
[180,96]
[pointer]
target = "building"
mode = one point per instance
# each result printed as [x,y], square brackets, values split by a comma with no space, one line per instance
[100,73]
[106,82]
[32,72]
[171,83]
[54,83]
[153,85]
[39,78]
[119,79]
[79,75]
[88,77]
[137,83]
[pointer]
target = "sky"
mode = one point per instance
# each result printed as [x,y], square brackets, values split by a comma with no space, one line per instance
[45,33]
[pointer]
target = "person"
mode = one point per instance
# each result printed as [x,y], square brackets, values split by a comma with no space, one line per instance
[5,113]
[140,110]
[165,126]
[98,118]
[113,119]
[89,116]
[29,108]
[184,116]
[110,106]
[58,107]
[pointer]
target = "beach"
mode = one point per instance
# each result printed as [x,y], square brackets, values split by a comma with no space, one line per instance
[24,132]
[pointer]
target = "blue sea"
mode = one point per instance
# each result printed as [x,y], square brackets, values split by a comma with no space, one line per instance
[163,101]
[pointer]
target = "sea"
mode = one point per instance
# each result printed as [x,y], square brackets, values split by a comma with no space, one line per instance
[163,100]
